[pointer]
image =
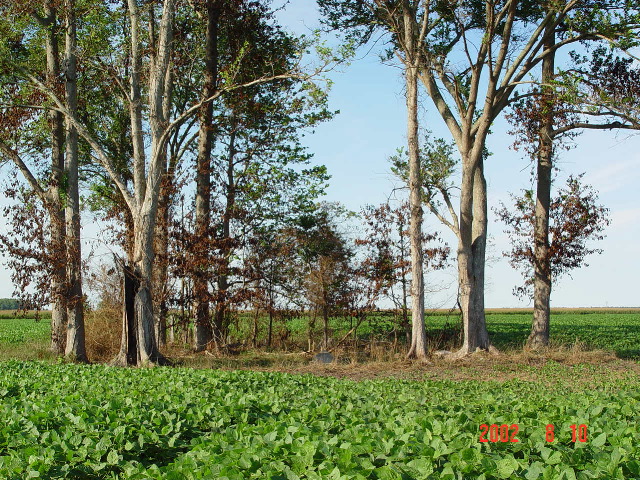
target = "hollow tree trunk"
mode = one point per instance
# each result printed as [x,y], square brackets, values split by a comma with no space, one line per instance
[539,336]
[128,354]
[75,348]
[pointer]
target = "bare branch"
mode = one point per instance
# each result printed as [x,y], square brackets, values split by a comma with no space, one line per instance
[33,181]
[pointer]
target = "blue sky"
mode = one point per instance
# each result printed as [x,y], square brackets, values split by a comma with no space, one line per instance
[355,147]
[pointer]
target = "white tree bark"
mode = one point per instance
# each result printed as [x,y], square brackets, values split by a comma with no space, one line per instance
[418,348]
[52,196]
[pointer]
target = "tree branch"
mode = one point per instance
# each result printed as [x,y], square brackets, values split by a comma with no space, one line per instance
[33,181]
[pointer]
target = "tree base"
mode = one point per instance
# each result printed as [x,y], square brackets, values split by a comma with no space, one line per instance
[465,352]
[157,360]
[536,343]
[72,358]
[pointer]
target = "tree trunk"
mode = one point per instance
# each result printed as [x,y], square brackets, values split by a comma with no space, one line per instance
[161,263]
[219,327]
[147,180]
[203,333]
[539,336]
[406,325]
[270,328]
[75,348]
[58,285]
[472,241]
[128,354]
[148,353]
[56,209]
[254,340]
[418,348]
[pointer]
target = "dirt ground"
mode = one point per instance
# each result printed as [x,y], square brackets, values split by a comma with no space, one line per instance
[553,367]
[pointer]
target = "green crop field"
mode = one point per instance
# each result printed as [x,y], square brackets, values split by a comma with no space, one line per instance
[612,330]
[96,422]
[15,331]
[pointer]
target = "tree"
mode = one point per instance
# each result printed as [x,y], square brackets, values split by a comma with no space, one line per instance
[251,173]
[9,304]
[387,263]
[144,76]
[60,194]
[602,96]
[32,260]
[324,255]
[272,268]
[575,220]
[473,57]
[75,348]
[202,328]
[408,24]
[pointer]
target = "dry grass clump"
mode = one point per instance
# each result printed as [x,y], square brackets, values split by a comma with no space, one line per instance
[103,334]
[27,351]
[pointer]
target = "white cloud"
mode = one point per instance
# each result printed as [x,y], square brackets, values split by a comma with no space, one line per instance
[615,176]
[622,219]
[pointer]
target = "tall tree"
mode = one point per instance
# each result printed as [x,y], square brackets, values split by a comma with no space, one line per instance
[408,24]
[542,266]
[203,333]
[75,348]
[541,122]
[145,78]
[575,220]
[59,194]
[473,58]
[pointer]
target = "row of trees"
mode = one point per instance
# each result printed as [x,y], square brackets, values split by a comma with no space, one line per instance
[473,60]
[180,124]
[127,99]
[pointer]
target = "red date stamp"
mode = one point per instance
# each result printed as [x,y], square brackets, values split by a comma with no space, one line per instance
[507,433]
[499,433]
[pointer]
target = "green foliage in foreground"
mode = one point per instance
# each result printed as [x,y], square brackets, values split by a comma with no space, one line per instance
[96,422]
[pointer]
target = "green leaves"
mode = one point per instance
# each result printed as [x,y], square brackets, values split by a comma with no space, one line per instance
[71,421]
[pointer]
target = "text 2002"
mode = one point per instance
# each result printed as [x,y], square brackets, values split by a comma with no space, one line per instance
[499,433]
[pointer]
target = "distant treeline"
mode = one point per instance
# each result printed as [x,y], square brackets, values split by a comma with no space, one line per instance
[9,304]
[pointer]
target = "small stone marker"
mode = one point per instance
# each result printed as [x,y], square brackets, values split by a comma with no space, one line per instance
[323,357]
[441,353]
